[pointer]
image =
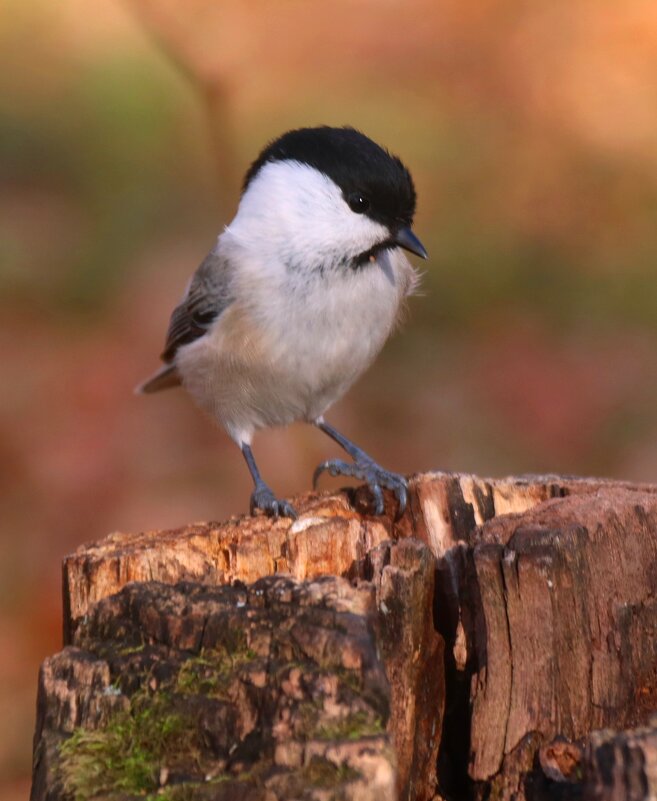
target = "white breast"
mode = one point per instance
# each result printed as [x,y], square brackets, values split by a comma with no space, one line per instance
[330,331]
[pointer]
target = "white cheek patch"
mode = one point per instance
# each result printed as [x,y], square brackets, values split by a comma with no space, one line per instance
[293,213]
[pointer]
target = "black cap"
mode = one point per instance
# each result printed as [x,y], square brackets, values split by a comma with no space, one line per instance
[372,181]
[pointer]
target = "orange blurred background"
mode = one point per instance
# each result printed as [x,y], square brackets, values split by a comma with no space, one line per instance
[531,130]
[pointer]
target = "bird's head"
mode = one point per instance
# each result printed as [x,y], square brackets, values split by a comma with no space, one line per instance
[326,198]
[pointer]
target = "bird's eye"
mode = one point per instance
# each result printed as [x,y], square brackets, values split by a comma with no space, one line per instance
[358,203]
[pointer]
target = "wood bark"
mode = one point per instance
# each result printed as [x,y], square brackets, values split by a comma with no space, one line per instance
[268,692]
[622,766]
[511,618]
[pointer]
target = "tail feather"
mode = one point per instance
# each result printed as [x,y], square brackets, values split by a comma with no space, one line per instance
[165,378]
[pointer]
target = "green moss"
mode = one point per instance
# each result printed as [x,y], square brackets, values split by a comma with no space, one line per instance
[351,678]
[190,791]
[353,727]
[307,718]
[322,773]
[132,649]
[127,754]
[211,672]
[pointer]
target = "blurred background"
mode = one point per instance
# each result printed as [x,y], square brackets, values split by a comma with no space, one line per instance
[125,127]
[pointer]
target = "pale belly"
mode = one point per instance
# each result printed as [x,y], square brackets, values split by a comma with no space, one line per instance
[255,369]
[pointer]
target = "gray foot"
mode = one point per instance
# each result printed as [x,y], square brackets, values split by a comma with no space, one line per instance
[263,498]
[367,470]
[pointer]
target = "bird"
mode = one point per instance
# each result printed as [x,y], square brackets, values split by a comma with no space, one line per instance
[297,297]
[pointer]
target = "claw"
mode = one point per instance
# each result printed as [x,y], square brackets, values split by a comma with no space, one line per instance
[287,510]
[335,467]
[318,472]
[263,498]
[376,478]
[378,498]
[401,493]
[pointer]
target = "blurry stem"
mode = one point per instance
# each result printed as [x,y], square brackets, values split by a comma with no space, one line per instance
[222,143]
[170,37]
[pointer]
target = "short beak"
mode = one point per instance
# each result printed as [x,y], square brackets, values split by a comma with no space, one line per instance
[406,239]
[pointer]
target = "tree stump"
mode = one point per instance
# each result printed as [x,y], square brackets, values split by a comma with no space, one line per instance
[479,641]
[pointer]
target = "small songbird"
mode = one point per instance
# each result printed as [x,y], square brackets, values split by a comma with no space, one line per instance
[298,296]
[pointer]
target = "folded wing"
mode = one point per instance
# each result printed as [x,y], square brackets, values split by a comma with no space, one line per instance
[206,298]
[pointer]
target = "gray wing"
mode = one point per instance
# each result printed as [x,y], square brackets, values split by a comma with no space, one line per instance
[206,297]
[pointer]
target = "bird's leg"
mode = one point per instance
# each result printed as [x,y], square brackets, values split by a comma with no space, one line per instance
[262,497]
[363,468]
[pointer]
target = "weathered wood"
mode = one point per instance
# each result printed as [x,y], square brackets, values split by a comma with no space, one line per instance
[621,766]
[329,537]
[576,631]
[268,692]
[412,653]
[530,617]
